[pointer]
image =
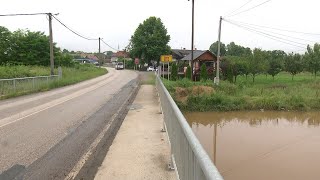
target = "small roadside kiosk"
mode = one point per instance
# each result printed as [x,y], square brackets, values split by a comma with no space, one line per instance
[164,67]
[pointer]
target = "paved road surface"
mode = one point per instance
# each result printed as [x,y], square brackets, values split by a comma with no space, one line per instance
[43,136]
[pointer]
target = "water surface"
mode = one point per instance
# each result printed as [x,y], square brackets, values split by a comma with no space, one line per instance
[261,145]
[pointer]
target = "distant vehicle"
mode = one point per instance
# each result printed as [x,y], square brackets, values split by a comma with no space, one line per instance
[119,65]
[150,68]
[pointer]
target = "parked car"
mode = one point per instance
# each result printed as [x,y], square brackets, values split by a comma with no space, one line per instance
[150,68]
[119,65]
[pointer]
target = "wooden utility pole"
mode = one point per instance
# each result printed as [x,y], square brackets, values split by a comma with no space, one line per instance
[99,56]
[217,79]
[192,40]
[51,45]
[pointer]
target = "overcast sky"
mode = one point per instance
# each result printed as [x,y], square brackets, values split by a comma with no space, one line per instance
[116,20]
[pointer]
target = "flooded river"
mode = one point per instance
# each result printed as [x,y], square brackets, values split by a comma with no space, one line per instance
[261,145]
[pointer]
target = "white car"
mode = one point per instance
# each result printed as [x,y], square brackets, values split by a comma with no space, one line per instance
[119,65]
[150,68]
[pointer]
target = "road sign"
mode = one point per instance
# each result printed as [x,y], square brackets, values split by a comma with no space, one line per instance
[136,60]
[166,58]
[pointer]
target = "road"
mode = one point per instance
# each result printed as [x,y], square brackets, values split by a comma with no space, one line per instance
[63,133]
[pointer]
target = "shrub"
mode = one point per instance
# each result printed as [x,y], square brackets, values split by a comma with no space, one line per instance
[203,73]
[174,72]
[188,72]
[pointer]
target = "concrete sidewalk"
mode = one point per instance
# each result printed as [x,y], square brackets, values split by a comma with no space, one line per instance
[140,150]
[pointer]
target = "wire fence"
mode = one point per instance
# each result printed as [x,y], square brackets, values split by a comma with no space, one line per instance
[26,84]
[188,156]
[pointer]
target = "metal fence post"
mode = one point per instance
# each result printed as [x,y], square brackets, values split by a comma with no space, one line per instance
[14,85]
[48,81]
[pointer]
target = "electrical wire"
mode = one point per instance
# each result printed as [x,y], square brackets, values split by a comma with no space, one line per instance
[279,29]
[251,26]
[31,14]
[238,8]
[73,30]
[249,8]
[276,38]
[109,45]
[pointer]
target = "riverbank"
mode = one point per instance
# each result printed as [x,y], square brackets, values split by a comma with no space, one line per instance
[283,93]
[70,75]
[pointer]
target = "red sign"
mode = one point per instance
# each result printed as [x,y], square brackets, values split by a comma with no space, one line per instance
[136,60]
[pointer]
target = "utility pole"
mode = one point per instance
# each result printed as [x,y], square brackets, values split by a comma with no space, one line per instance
[51,45]
[99,56]
[216,79]
[192,38]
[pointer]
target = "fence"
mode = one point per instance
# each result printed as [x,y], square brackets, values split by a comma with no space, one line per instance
[24,85]
[188,156]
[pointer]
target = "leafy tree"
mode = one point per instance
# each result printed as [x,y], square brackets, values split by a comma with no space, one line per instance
[313,59]
[150,40]
[188,72]
[274,67]
[5,41]
[294,64]
[214,48]
[237,50]
[203,72]
[238,65]
[257,64]
[174,72]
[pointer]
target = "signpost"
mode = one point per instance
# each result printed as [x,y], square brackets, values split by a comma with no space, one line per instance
[166,59]
[136,62]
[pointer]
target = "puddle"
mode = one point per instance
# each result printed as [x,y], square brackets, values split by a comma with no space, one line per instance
[261,145]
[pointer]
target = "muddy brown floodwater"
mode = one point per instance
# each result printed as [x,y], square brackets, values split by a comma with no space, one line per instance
[261,145]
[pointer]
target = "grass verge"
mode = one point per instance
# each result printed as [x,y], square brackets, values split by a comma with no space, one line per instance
[301,94]
[70,75]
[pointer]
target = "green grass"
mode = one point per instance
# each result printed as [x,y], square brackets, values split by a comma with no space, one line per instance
[301,94]
[70,75]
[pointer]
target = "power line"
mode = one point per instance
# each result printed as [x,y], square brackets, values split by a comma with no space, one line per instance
[73,30]
[31,14]
[109,45]
[238,8]
[280,29]
[251,26]
[276,38]
[249,8]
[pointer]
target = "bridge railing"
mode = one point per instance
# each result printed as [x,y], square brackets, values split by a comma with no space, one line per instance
[26,84]
[188,156]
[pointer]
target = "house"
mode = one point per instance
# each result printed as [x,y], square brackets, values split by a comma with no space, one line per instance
[119,54]
[199,58]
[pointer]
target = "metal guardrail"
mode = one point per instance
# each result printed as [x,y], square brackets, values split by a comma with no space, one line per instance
[188,156]
[26,84]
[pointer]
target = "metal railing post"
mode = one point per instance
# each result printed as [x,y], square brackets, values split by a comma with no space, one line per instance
[14,85]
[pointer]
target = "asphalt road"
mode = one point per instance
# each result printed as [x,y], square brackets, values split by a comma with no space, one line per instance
[63,133]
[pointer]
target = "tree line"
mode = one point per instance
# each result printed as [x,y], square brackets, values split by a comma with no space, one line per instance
[25,47]
[238,60]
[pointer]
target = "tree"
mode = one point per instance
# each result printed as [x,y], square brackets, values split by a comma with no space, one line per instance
[214,48]
[203,72]
[174,72]
[237,50]
[312,57]
[274,67]
[5,42]
[257,64]
[188,72]
[294,64]
[150,40]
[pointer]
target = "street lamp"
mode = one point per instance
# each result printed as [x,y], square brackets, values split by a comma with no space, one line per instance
[192,37]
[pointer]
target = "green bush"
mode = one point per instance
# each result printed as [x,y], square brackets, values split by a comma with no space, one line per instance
[174,72]
[188,72]
[203,73]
